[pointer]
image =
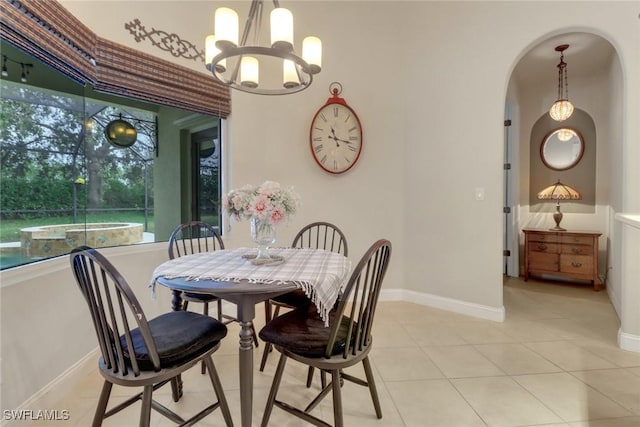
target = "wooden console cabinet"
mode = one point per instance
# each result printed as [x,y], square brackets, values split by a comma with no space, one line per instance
[572,254]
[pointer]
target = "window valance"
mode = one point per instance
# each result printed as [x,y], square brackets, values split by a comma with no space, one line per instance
[51,34]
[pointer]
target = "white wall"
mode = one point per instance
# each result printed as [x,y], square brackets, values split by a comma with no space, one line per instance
[429,81]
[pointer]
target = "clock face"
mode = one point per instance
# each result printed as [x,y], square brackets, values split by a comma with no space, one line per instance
[336,138]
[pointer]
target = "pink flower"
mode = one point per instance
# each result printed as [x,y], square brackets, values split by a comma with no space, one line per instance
[276,216]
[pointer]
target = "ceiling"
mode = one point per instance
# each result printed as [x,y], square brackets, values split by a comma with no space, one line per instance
[587,54]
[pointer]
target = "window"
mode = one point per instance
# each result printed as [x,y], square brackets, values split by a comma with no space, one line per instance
[62,184]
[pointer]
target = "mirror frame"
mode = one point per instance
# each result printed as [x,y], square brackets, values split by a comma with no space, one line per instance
[547,138]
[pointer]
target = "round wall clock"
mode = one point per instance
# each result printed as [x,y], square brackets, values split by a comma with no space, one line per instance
[336,134]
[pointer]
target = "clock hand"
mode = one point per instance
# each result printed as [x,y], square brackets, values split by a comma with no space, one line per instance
[334,137]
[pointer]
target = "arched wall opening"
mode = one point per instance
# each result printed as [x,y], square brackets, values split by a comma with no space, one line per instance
[596,88]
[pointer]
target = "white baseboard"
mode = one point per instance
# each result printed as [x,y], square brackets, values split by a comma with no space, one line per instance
[48,396]
[457,306]
[628,342]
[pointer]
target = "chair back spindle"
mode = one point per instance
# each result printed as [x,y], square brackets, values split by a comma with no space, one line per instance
[321,235]
[115,312]
[192,238]
[358,302]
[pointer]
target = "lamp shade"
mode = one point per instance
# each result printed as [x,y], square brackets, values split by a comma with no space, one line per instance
[559,191]
[561,110]
[281,28]
[226,26]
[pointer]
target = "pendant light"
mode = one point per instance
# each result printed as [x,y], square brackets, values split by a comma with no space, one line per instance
[562,109]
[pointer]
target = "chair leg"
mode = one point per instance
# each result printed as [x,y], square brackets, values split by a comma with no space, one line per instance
[265,355]
[277,377]
[255,336]
[102,404]
[372,386]
[220,317]
[310,376]
[337,398]
[203,367]
[145,411]
[176,385]
[217,387]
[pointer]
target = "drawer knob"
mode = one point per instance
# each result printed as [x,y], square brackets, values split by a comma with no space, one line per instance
[576,250]
[542,247]
[576,264]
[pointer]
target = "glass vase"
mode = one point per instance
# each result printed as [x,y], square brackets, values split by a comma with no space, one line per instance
[263,234]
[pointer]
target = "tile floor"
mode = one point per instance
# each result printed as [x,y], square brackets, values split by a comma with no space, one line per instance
[553,362]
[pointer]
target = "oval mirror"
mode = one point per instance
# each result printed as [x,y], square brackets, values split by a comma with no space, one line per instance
[562,149]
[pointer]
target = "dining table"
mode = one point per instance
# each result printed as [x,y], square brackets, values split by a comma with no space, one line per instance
[236,276]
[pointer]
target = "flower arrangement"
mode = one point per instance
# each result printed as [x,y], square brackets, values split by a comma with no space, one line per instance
[269,202]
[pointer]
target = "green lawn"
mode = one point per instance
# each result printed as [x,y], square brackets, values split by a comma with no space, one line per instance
[10,229]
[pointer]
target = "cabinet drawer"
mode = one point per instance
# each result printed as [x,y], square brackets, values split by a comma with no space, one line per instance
[543,237]
[577,249]
[579,240]
[576,264]
[551,248]
[544,261]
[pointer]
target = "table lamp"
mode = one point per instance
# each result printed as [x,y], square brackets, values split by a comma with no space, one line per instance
[557,192]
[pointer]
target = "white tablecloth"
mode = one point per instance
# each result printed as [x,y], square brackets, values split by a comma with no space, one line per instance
[320,273]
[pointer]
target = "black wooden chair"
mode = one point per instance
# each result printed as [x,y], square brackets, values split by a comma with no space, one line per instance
[192,238]
[318,235]
[302,336]
[137,352]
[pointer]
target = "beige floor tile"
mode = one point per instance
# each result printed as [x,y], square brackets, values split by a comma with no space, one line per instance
[433,333]
[428,374]
[402,364]
[610,351]
[525,330]
[569,356]
[619,385]
[432,403]
[500,401]
[461,361]
[611,422]
[570,398]
[516,359]
[481,332]
[391,334]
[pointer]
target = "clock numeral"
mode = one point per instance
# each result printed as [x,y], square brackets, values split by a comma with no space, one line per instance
[348,161]
[347,119]
[335,111]
[352,148]
[318,148]
[317,138]
[353,128]
[320,129]
[335,165]
[323,159]
[353,138]
[322,116]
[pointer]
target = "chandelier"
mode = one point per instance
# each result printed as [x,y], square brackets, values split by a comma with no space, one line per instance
[562,109]
[237,64]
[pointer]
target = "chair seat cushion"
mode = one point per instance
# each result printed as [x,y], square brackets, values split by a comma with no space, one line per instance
[179,336]
[303,332]
[296,298]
